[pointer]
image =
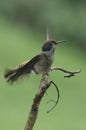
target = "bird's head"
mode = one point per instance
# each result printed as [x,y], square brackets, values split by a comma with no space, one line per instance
[50,45]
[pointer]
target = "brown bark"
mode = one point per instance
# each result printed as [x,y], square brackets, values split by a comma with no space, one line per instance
[36,102]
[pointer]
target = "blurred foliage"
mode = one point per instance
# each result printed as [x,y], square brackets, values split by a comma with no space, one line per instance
[65,18]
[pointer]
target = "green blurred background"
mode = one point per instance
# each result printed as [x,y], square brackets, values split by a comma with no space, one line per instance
[22,32]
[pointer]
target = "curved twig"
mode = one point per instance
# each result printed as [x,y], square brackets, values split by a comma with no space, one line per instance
[51,82]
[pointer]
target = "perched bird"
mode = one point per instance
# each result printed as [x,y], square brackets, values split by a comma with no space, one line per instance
[39,64]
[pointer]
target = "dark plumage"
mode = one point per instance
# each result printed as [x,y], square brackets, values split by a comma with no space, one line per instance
[23,69]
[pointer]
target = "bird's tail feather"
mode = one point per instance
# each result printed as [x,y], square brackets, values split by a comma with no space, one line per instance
[15,74]
[12,75]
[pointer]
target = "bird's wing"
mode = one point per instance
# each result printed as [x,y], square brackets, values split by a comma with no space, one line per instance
[29,65]
[22,69]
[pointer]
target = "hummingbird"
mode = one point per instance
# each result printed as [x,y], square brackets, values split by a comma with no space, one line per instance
[39,64]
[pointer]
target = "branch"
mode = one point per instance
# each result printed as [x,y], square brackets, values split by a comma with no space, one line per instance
[44,85]
[69,73]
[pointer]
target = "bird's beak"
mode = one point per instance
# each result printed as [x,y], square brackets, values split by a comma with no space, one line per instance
[58,42]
